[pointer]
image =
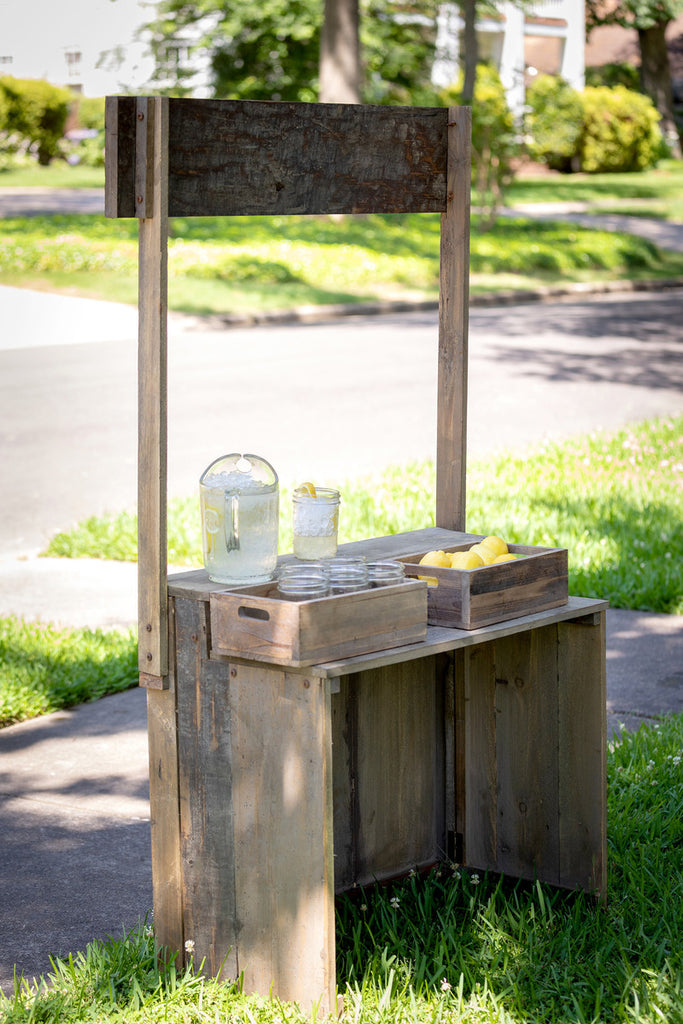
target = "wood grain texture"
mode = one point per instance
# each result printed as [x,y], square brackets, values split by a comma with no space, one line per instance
[162,735]
[205,790]
[475,697]
[152,401]
[582,754]
[389,772]
[528,835]
[451,420]
[235,158]
[256,623]
[119,156]
[284,871]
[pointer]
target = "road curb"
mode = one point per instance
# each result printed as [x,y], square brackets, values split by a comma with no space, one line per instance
[507,297]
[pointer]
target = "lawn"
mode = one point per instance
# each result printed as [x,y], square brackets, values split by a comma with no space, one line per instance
[615,501]
[657,192]
[232,265]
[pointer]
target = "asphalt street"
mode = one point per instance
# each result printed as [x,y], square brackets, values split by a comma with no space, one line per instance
[327,401]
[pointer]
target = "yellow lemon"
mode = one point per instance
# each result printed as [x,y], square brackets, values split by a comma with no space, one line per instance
[496,544]
[456,559]
[429,580]
[436,558]
[508,557]
[484,553]
[307,488]
[472,560]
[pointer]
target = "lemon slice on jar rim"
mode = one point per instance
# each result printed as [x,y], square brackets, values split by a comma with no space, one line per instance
[307,488]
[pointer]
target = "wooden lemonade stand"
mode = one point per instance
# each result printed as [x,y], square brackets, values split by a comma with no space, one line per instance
[279,777]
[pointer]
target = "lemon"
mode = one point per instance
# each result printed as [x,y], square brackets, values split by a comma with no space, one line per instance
[439,559]
[429,580]
[471,560]
[486,554]
[496,544]
[507,557]
[456,559]
[307,488]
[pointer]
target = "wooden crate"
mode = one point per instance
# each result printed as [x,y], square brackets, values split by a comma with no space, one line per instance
[254,623]
[470,598]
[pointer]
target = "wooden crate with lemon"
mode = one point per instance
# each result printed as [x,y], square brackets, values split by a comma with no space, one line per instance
[473,585]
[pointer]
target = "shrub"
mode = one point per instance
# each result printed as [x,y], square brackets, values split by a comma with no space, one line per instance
[35,114]
[554,122]
[621,130]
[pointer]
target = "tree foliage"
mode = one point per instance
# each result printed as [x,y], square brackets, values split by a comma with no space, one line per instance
[650,19]
[33,114]
[270,50]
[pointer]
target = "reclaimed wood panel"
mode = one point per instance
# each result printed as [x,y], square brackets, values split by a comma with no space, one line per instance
[283,834]
[582,754]
[451,413]
[205,785]
[152,395]
[119,156]
[162,737]
[389,772]
[399,784]
[528,811]
[476,709]
[237,158]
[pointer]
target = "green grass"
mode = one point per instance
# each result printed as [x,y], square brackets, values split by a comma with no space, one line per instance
[615,501]
[452,946]
[654,193]
[58,174]
[44,669]
[225,265]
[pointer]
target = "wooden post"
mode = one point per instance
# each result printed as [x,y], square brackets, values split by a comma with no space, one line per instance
[151,196]
[451,438]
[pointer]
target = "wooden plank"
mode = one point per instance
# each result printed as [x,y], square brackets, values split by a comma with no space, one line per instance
[344,705]
[397,770]
[284,871]
[526,752]
[275,158]
[582,755]
[152,414]
[479,815]
[205,791]
[304,158]
[119,156]
[451,441]
[162,734]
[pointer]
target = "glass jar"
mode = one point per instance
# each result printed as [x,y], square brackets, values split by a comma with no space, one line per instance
[347,577]
[302,582]
[385,573]
[315,522]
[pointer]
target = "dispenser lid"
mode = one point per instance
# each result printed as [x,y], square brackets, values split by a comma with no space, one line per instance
[240,473]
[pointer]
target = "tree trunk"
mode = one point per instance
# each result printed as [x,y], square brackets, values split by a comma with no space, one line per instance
[470,51]
[340,53]
[655,77]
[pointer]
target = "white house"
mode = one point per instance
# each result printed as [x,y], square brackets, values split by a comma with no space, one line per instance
[547,36]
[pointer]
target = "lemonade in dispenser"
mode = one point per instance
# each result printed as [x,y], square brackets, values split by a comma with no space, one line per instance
[239,498]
